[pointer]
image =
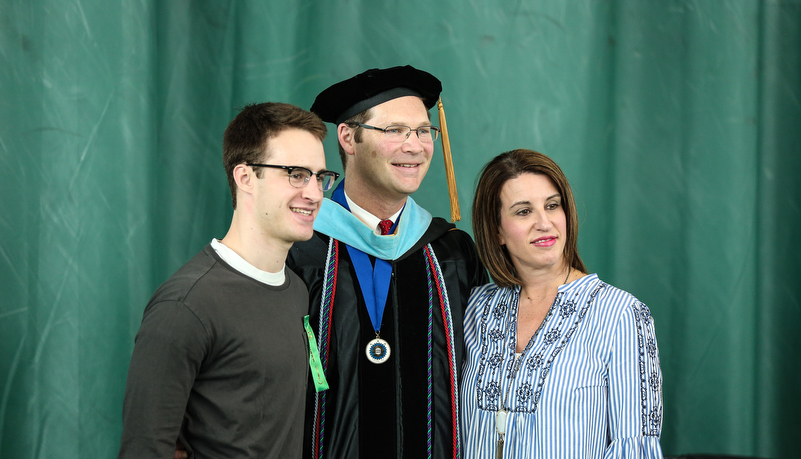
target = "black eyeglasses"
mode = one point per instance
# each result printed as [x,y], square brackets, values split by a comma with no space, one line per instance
[401,133]
[300,176]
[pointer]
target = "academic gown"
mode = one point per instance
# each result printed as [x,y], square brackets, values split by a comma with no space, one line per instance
[380,410]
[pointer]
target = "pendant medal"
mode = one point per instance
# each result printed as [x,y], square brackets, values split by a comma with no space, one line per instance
[377,350]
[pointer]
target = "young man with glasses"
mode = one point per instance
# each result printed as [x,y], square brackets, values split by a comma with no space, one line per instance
[388,283]
[222,357]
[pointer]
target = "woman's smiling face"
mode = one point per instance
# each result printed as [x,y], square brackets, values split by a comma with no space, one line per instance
[533,223]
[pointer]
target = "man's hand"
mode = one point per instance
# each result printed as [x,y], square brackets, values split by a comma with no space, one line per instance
[180,451]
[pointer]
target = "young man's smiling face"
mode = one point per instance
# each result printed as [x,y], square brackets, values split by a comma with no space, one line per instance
[284,213]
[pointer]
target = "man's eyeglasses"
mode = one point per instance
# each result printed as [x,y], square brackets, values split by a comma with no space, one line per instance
[401,133]
[300,176]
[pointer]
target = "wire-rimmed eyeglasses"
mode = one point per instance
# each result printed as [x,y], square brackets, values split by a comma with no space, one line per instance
[399,133]
[300,176]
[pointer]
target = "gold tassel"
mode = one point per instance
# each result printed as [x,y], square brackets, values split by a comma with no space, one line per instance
[446,151]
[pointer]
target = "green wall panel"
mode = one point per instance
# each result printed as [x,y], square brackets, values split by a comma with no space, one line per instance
[677,123]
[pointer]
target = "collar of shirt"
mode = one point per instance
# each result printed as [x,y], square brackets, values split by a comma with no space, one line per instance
[366,217]
[337,222]
[239,264]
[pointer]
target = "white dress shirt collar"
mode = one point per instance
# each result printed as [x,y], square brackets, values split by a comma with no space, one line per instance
[366,217]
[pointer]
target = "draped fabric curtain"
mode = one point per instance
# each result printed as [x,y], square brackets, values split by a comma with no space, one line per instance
[678,123]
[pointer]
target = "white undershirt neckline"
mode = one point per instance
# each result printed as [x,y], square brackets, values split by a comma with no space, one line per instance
[241,265]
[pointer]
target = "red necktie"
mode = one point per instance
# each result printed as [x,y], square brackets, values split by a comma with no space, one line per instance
[385,226]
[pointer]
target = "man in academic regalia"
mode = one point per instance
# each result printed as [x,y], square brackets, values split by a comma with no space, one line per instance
[388,283]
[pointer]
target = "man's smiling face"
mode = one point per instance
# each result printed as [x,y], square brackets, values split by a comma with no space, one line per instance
[393,170]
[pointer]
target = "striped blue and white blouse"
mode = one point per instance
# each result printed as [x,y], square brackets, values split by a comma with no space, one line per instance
[587,385]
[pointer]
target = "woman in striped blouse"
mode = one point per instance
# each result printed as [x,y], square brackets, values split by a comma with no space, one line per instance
[559,364]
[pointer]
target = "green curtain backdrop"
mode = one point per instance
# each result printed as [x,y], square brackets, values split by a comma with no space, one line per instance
[678,123]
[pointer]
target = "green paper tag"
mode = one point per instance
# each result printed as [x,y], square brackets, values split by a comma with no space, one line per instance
[320,384]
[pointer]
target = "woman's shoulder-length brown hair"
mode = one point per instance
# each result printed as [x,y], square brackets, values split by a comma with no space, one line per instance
[487,208]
